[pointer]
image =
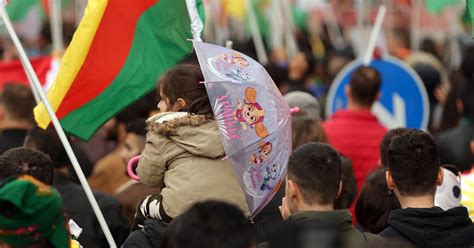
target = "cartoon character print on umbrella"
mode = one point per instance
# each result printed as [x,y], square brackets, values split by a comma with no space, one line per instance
[264,151]
[230,66]
[249,112]
[271,175]
[259,179]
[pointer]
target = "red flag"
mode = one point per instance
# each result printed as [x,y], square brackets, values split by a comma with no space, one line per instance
[13,71]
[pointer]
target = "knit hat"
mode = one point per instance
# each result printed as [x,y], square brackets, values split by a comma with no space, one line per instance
[29,212]
[448,194]
[306,102]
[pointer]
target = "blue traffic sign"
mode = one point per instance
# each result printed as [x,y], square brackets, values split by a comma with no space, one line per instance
[403,101]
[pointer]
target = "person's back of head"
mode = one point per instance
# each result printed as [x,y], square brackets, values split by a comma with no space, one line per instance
[375,203]
[364,86]
[22,160]
[18,103]
[182,87]
[209,224]
[414,164]
[314,175]
[48,141]
[387,138]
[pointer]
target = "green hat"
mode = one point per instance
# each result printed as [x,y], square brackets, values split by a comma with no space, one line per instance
[31,211]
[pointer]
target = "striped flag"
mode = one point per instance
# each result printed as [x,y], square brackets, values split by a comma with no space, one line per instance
[117,54]
[470,11]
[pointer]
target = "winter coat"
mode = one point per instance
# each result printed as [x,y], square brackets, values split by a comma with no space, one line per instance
[356,134]
[431,227]
[184,156]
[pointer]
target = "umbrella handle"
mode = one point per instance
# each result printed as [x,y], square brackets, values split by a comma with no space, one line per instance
[130,164]
[294,110]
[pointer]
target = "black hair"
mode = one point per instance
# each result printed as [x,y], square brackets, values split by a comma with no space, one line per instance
[48,141]
[18,101]
[365,85]
[316,169]
[387,138]
[349,185]
[185,81]
[27,161]
[137,127]
[414,162]
[209,224]
[375,203]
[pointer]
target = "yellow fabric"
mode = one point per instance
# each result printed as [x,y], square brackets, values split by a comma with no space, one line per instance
[234,8]
[467,189]
[73,59]
[75,244]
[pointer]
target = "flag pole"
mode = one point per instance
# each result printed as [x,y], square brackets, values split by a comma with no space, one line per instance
[256,35]
[374,35]
[56,23]
[196,24]
[62,136]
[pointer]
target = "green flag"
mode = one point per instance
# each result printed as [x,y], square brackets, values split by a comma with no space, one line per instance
[470,11]
[438,6]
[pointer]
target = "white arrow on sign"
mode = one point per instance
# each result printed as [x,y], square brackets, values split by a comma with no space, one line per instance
[389,120]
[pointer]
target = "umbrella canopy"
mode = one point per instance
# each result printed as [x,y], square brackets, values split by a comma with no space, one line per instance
[253,118]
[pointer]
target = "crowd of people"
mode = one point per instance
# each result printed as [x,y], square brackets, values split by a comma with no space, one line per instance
[350,181]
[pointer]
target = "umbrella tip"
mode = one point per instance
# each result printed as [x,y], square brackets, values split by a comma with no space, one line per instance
[294,110]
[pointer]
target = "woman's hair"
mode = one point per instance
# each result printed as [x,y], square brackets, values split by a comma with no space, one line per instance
[375,203]
[185,81]
[306,130]
[349,185]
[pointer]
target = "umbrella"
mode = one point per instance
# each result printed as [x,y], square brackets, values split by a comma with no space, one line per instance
[253,118]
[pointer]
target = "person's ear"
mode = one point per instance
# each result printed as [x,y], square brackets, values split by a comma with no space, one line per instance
[180,104]
[348,91]
[292,190]
[2,112]
[440,177]
[339,191]
[390,182]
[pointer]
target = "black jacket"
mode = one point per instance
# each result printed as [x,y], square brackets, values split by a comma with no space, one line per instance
[454,145]
[148,237]
[78,208]
[431,227]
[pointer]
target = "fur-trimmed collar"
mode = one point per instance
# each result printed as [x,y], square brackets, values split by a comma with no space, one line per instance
[167,123]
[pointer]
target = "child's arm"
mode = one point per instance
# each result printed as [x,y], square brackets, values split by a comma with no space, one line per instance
[153,162]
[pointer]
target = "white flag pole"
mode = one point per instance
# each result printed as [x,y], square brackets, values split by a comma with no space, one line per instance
[291,42]
[256,35]
[196,24]
[62,136]
[415,24]
[56,23]
[374,35]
